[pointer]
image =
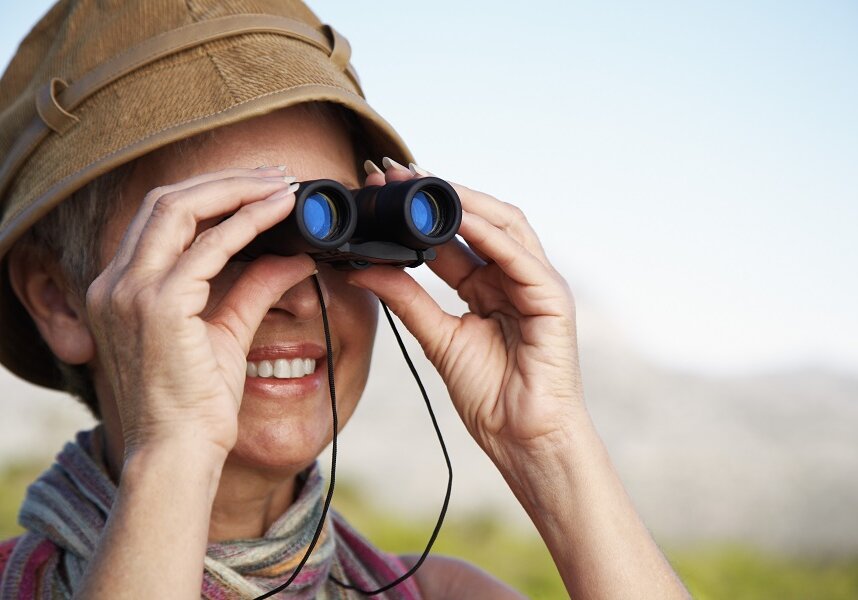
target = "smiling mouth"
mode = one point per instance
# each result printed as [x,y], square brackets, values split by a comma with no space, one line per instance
[281,368]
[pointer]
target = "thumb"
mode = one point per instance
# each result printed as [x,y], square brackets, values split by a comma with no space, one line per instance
[428,323]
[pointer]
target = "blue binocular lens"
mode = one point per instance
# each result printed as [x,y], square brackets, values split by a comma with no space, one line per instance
[425,213]
[320,216]
[398,223]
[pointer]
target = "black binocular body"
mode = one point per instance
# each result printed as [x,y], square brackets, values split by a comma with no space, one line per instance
[395,224]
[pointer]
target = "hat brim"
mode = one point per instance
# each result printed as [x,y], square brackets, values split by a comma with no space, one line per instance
[116,128]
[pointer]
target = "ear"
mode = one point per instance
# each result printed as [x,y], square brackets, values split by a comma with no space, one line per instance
[58,314]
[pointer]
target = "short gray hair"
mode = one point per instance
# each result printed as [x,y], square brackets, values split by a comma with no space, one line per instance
[70,235]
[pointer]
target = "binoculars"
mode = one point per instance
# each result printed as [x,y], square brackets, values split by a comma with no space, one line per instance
[395,224]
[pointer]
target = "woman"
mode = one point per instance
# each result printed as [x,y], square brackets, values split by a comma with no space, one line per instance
[201,474]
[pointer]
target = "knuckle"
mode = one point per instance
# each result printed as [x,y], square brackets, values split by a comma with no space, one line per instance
[167,202]
[128,297]
[173,207]
[210,238]
[96,293]
[154,194]
[514,214]
[120,295]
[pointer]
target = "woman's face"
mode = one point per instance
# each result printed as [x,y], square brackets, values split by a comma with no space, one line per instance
[282,423]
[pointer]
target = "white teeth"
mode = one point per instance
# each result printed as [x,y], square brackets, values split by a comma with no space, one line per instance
[265,369]
[281,368]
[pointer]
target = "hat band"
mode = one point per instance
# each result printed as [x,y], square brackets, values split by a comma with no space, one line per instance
[57,100]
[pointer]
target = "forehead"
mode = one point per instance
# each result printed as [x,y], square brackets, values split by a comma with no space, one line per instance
[312,142]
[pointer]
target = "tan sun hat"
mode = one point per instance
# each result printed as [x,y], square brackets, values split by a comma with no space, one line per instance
[98,83]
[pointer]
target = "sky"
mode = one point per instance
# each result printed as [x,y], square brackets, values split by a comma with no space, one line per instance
[689,167]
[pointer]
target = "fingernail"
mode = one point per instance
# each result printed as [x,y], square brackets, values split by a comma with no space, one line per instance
[281,168]
[391,164]
[417,170]
[371,168]
[284,193]
[261,167]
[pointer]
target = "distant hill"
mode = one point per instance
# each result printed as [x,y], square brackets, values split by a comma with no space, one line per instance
[770,458]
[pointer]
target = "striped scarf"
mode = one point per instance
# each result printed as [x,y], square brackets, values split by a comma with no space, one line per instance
[66,508]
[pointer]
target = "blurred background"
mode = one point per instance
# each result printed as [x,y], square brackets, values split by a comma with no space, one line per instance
[691,170]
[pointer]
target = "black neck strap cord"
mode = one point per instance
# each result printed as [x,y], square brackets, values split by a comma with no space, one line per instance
[330,494]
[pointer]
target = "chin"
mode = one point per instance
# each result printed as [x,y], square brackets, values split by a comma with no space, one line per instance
[285,443]
[284,425]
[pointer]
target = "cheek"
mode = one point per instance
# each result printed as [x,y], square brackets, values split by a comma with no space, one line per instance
[356,312]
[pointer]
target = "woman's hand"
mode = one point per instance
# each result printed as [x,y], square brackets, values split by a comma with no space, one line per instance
[511,366]
[510,363]
[175,373]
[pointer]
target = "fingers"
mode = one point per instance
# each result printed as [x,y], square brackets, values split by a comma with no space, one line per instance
[141,219]
[374,175]
[214,247]
[431,326]
[513,259]
[502,227]
[540,290]
[257,289]
[502,215]
[172,225]
[168,265]
[394,171]
[455,262]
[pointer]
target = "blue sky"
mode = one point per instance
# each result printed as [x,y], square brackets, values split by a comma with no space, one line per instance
[690,167]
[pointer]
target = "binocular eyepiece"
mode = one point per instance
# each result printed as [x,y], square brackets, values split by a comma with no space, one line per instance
[395,224]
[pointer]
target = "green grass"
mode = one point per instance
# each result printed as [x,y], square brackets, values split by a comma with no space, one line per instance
[14,479]
[715,572]
[740,573]
[731,572]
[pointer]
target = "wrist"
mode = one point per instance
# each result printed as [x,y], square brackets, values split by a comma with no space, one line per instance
[189,437]
[536,470]
[156,535]
[180,460]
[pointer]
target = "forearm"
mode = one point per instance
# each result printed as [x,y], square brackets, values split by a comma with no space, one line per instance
[154,541]
[580,507]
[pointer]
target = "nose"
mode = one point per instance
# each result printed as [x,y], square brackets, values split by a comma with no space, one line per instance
[302,300]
